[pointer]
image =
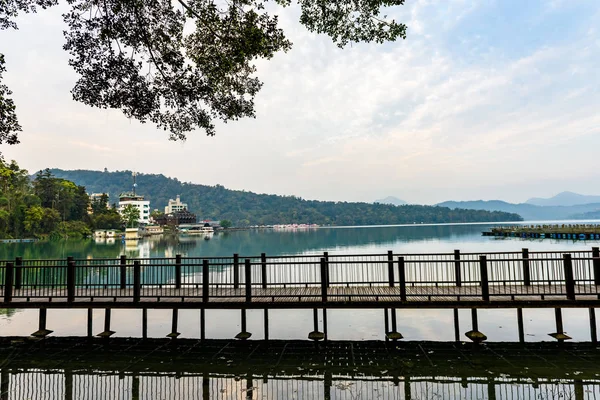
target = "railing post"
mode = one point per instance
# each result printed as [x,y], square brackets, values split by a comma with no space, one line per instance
[485,286]
[8,282]
[569,279]
[18,272]
[205,281]
[263,269]
[391,268]
[596,264]
[178,271]
[323,280]
[69,259]
[236,271]
[457,273]
[123,272]
[71,280]
[526,270]
[248,276]
[402,278]
[137,281]
[326,257]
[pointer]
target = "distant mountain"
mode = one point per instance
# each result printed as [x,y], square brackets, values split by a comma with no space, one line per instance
[247,208]
[529,212]
[391,200]
[564,199]
[589,215]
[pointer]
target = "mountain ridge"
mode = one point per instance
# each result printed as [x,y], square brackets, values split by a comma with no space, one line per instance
[393,200]
[246,208]
[564,199]
[529,212]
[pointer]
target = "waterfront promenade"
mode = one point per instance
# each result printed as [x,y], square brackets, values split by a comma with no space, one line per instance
[325,281]
[514,279]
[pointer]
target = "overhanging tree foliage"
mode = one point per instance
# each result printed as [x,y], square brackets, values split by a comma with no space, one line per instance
[9,126]
[136,56]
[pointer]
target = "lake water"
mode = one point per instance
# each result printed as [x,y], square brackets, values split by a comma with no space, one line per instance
[353,325]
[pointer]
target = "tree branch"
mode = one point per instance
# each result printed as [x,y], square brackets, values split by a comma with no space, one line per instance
[195,14]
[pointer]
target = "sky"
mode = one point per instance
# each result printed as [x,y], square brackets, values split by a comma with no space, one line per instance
[485,99]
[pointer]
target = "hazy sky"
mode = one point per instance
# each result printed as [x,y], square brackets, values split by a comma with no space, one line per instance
[485,99]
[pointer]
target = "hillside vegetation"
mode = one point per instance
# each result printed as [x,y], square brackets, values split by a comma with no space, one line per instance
[42,206]
[247,208]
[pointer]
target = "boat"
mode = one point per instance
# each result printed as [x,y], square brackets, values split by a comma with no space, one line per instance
[204,230]
[153,230]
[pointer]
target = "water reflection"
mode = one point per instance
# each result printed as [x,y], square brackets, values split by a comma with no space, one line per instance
[153,246]
[57,384]
[189,369]
[500,325]
[400,239]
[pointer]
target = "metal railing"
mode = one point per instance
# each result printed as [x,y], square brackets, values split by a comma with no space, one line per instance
[323,277]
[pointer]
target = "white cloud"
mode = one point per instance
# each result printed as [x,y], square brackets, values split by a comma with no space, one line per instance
[419,119]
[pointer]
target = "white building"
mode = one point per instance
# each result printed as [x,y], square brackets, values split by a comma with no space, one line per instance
[137,201]
[175,205]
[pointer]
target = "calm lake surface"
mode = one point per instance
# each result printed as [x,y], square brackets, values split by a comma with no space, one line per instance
[355,325]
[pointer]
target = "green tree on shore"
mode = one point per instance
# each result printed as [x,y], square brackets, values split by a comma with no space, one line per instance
[130,216]
[107,220]
[225,223]
[103,215]
[40,208]
[99,205]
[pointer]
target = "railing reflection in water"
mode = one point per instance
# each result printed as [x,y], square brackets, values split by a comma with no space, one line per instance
[84,385]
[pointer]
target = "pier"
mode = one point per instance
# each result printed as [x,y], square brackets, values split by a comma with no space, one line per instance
[569,232]
[389,282]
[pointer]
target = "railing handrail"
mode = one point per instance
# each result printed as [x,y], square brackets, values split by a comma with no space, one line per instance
[470,275]
[113,263]
[316,255]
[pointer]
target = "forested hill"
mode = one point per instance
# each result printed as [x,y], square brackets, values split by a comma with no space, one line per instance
[247,208]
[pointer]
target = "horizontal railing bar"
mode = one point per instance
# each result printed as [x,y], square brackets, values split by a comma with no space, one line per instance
[332,257]
[116,263]
[362,277]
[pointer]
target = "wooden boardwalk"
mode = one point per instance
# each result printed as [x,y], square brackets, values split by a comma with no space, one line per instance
[309,297]
[447,280]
